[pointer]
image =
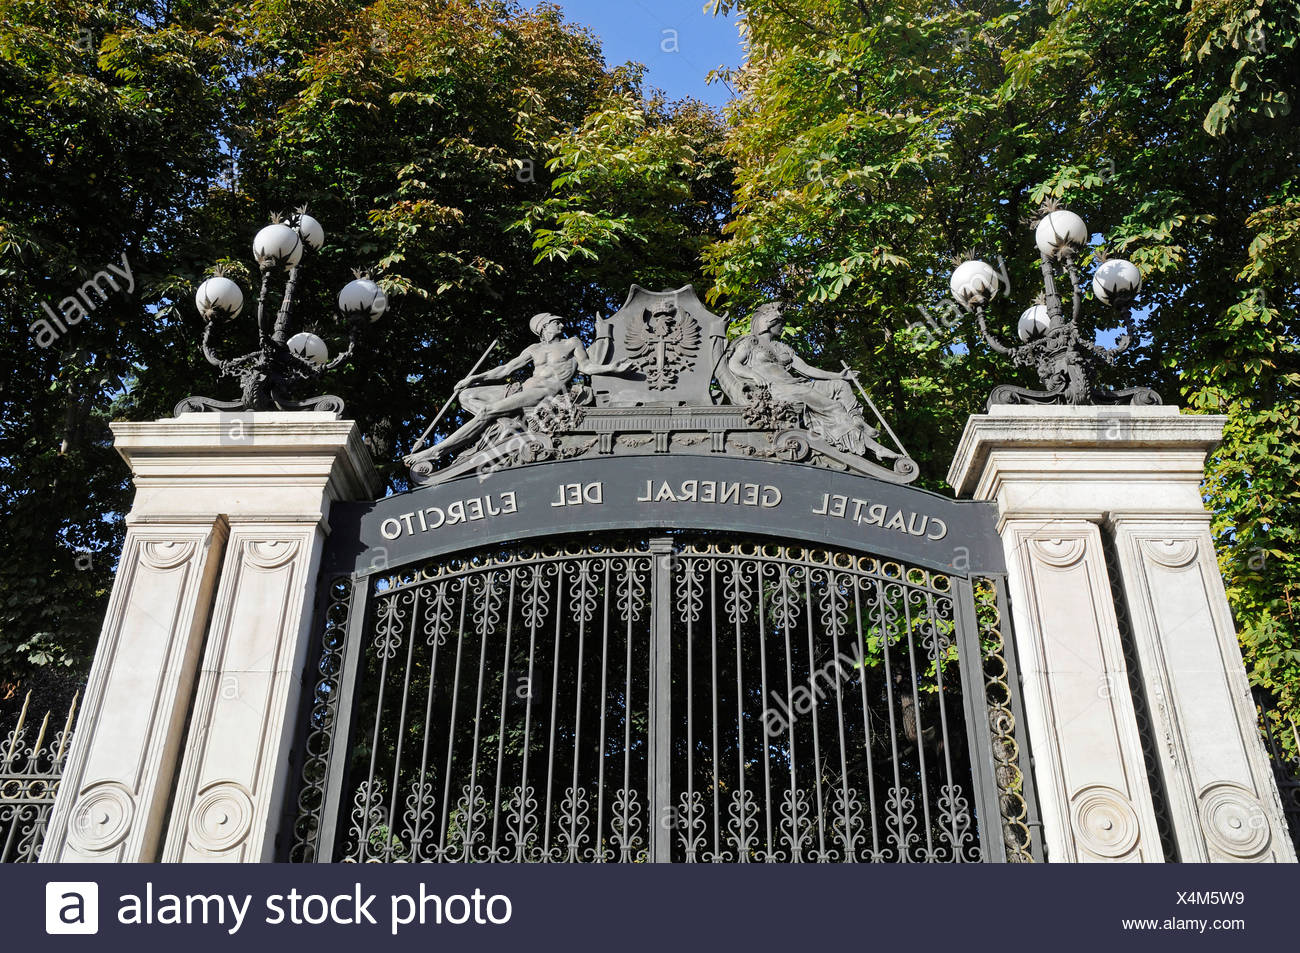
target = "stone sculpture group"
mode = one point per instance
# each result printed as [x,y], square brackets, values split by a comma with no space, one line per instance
[652,367]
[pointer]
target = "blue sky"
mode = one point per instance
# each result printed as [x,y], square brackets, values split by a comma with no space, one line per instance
[675,39]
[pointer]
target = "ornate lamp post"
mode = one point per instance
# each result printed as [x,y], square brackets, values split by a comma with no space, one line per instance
[269,376]
[1065,362]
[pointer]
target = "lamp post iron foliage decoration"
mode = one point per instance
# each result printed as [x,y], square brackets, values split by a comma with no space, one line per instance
[1066,363]
[282,363]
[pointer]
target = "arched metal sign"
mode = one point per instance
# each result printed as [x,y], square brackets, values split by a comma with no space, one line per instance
[763,498]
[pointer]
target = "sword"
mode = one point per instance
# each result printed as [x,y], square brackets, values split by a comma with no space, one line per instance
[429,429]
[870,403]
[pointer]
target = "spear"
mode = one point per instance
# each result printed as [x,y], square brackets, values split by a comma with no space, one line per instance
[870,403]
[429,429]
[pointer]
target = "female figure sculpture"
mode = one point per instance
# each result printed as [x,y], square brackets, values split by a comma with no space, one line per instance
[829,407]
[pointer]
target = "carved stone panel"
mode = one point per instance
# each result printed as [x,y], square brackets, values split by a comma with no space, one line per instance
[119,772]
[232,774]
[1091,778]
[1223,804]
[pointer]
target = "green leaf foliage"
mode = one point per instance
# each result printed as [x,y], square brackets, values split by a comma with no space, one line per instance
[459,149]
[875,142]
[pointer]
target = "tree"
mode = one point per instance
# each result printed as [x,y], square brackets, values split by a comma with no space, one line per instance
[108,125]
[419,132]
[435,137]
[876,141]
[640,189]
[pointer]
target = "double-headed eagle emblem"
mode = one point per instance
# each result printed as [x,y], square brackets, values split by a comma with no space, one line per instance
[663,343]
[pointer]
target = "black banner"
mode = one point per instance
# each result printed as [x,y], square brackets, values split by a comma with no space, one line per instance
[763,907]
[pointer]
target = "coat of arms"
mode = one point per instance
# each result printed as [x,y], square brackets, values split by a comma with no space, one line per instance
[662,342]
[673,343]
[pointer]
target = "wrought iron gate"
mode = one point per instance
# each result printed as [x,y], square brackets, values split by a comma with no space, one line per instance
[677,698]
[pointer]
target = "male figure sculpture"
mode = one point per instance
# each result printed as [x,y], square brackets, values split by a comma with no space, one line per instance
[556,359]
[830,408]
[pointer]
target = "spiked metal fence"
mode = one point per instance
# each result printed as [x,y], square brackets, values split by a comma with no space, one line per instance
[32,758]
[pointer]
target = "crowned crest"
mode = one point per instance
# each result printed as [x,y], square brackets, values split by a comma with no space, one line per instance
[663,342]
[674,342]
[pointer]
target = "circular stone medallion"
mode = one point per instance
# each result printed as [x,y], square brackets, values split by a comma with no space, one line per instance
[102,817]
[221,817]
[1105,822]
[1235,822]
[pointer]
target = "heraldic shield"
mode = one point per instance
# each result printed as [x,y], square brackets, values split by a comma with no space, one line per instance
[674,341]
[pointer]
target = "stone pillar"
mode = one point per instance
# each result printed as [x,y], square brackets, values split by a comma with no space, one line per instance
[193,693]
[1074,484]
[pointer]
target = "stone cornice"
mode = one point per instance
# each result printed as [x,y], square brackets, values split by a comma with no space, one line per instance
[301,449]
[1130,433]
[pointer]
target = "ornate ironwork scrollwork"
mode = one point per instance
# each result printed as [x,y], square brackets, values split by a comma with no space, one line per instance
[1006,748]
[319,745]
[30,772]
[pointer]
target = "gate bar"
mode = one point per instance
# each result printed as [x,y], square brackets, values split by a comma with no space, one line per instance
[661,675]
[341,743]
